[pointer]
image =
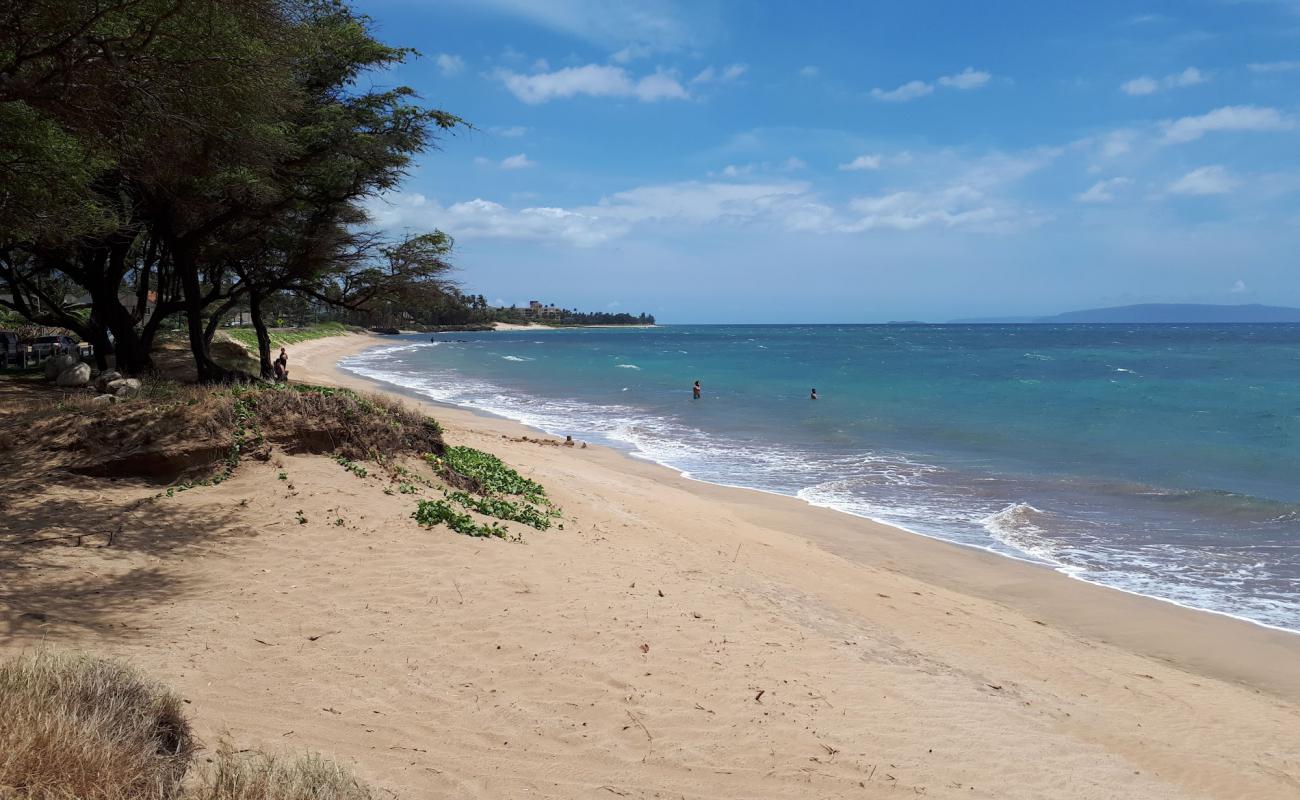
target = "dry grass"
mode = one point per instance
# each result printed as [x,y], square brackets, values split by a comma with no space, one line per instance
[260,776]
[174,431]
[78,727]
[74,727]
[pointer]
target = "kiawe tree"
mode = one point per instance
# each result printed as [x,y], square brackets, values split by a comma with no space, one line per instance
[184,156]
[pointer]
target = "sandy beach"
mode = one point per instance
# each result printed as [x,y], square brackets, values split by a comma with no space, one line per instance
[675,639]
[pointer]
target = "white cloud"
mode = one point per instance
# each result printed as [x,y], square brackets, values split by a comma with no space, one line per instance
[1204,181]
[724,75]
[449,64]
[1103,191]
[1140,86]
[968,78]
[908,91]
[1147,85]
[520,161]
[1228,118]
[1239,287]
[863,162]
[481,218]
[631,53]
[510,132]
[791,164]
[810,71]
[958,206]
[482,160]
[594,80]
[1274,66]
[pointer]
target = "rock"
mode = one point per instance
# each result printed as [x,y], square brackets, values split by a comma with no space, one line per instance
[76,375]
[106,377]
[103,400]
[58,364]
[123,387]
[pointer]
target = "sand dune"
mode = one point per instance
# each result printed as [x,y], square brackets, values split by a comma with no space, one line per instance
[674,640]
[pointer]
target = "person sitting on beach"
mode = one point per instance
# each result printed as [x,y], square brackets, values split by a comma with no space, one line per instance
[695,391]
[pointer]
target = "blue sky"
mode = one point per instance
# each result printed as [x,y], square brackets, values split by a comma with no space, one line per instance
[858,162]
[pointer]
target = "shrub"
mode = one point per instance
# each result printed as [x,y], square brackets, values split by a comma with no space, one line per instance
[260,776]
[72,726]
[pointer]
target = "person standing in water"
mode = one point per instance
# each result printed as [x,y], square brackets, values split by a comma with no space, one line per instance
[695,391]
[814,395]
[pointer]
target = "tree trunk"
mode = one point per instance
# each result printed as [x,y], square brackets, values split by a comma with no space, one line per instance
[206,370]
[263,335]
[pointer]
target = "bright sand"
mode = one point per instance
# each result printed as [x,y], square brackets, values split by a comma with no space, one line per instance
[676,639]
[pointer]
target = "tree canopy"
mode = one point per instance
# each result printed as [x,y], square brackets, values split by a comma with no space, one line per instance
[171,159]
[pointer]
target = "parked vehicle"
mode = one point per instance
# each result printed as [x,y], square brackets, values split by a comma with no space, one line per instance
[45,346]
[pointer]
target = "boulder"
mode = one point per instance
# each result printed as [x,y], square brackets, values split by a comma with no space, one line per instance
[58,364]
[103,400]
[76,375]
[123,387]
[106,377]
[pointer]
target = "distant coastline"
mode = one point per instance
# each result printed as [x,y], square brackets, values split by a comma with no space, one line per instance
[1154,313]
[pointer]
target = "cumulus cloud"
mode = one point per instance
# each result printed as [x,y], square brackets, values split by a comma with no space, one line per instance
[1228,118]
[724,75]
[908,91]
[1103,191]
[481,218]
[520,161]
[969,78]
[449,64]
[1239,287]
[594,80]
[958,207]
[1204,181]
[863,162]
[1147,85]
[954,192]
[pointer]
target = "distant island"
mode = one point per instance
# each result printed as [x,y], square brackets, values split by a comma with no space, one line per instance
[1167,313]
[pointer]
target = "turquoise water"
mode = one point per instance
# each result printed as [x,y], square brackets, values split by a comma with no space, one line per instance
[1159,459]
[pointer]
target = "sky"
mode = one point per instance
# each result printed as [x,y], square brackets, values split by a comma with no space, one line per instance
[714,161]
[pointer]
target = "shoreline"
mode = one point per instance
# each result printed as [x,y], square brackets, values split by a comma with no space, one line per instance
[1245,651]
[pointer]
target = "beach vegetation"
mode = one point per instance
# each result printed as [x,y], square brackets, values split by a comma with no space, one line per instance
[76,727]
[438,512]
[169,165]
[72,726]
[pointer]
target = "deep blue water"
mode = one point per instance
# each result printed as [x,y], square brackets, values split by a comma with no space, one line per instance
[1160,459]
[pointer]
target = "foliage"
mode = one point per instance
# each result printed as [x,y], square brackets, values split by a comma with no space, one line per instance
[491,474]
[352,466]
[434,512]
[287,336]
[164,158]
[500,508]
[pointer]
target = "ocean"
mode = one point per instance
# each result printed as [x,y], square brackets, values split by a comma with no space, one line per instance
[1157,459]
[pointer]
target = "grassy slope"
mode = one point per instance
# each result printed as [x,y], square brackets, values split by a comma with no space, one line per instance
[283,337]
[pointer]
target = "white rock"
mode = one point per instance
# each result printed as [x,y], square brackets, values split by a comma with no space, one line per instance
[124,387]
[58,364]
[106,377]
[103,400]
[76,375]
